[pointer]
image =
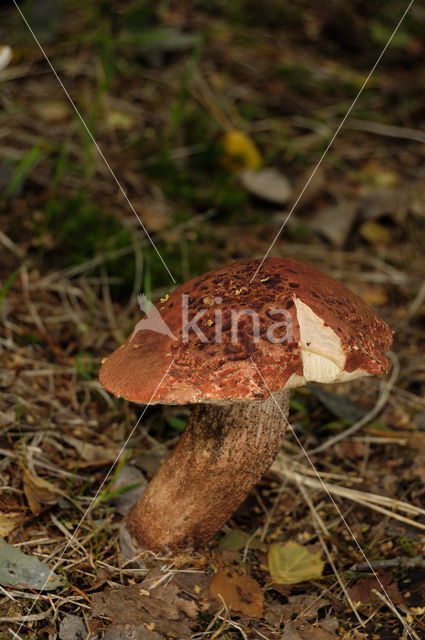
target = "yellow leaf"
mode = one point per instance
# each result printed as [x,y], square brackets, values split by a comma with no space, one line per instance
[375,233]
[290,563]
[240,151]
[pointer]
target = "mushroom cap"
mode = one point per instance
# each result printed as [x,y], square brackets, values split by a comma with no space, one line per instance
[308,327]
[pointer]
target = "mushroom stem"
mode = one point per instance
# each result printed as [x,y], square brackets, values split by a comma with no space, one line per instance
[221,455]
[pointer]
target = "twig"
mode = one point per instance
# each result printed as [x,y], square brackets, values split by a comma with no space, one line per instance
[6,593]
[404,133]
[27,618]
[9,244]
[371,500]
[391,563]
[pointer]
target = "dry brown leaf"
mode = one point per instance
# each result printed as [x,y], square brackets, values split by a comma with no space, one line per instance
[363,590]
[39,492]
[239,592]
[9,522]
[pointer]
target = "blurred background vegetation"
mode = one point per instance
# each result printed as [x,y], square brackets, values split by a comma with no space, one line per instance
[159,84]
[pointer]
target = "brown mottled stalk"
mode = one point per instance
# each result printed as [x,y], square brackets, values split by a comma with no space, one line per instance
[221,455]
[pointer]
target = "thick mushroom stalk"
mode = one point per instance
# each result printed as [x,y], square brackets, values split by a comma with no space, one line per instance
[221,455]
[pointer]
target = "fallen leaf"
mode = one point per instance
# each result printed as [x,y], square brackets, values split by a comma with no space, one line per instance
[9,522]
[39,492]
[335,223]
[237,539]
[239,151]
[363,590]
[375,233]
[268,184]
[5,56]
[339,405]
[290,563]
[16,568]
[126,489]
[239,592]
[378,203]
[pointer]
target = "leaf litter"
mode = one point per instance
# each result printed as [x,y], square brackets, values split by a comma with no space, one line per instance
[164,603]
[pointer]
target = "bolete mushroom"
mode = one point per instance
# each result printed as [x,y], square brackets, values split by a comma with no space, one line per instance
[234,349]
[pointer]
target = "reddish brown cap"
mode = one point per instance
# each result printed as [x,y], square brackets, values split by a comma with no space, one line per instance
[310,327]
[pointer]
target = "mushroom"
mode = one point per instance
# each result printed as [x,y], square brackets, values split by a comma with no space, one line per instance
[234,349]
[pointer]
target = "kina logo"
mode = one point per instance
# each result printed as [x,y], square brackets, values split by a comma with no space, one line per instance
[153,320]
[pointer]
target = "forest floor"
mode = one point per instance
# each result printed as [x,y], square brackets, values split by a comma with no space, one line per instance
[160,86]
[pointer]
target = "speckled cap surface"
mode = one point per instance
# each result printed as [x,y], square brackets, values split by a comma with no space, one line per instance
[306,302]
